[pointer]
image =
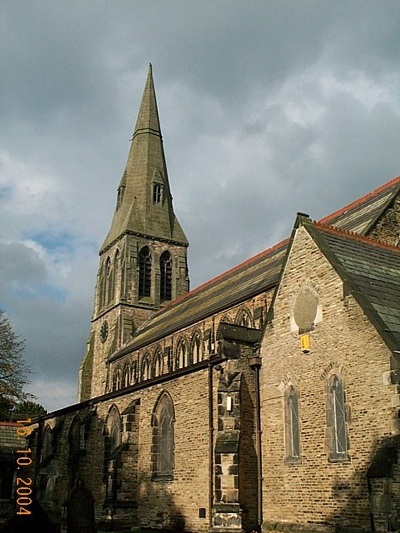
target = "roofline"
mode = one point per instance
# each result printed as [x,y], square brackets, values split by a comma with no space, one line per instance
[348,278]
[210,282]
[355,236]
[359,201]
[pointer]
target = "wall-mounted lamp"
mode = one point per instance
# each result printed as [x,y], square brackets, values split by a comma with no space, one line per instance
[305,343]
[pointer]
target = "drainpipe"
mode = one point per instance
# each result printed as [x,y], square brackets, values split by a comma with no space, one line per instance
[255,364]
[211,443]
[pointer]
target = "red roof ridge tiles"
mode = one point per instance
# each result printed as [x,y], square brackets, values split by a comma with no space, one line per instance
[201,287]
[361,200]
[264,253]
[356,236]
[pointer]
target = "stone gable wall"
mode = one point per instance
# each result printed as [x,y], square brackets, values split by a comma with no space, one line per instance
[315,492]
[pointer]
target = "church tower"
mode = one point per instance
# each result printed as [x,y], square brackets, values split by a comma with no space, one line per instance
[143,259]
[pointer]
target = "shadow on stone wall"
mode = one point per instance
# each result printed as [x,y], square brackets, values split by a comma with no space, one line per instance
[371,498]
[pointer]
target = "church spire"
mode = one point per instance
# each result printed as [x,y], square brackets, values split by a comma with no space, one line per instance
[144,201]
[148,120]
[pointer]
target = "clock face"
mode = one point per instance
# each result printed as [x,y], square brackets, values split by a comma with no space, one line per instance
[104,331]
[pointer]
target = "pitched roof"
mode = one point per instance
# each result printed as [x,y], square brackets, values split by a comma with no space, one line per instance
[253,276]
[360,216]
[238,284]
[370,270]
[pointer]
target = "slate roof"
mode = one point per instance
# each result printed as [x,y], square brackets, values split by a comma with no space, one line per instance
[360,216]
[370,270]
[9,440]
[255,275]
[234,286]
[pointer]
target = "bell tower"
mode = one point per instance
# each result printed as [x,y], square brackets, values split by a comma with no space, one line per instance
[143,259]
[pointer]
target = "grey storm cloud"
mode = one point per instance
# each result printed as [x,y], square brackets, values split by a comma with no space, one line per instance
[267,108]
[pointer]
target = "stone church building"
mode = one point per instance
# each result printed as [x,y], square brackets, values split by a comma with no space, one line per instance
[266,399]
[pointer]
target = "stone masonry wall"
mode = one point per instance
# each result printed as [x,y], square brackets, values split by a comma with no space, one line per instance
[314,492]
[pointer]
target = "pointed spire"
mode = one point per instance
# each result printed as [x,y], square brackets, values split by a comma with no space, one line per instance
[148,120]
[146,172]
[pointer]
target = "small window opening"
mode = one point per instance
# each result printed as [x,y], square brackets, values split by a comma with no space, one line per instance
[157,193]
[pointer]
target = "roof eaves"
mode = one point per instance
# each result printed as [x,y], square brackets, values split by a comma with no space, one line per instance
[328,219]
[348,279]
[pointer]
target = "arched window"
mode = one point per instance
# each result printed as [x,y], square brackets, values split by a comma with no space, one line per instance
[292,424]
[74,437]
[144,272]
[126,376]
[162,422]
[145,369]
[118,379]
[47,444]
[181,354]
[157,367]
[134,375]
[115,276]
[197,353]
[157,193]
[112,450]
[336,419]
[108,293]
[244,318]
[166,276]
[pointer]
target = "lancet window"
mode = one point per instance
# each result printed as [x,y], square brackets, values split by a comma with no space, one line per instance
[292,424]
[166,276]
[162,422]
[144,272]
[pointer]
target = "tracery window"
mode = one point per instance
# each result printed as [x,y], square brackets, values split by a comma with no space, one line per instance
[292,424]
[163,419]
[144,272]
[166,276]
[336,419]
[244,318]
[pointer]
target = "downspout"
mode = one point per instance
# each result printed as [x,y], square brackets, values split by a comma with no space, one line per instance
[211,444]
[255,364]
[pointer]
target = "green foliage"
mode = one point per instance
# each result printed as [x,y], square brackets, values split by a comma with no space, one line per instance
[27,409]
[13,370]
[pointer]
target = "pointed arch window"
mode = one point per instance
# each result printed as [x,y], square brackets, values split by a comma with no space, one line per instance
[166,276]
[144,272]
[112,450]
[126,377]
[157,193]
[108,293]
[157,368]
[336,420]
[115,276]
[162,422]
[292,425]
[181,354]
[145,370]
[197,355]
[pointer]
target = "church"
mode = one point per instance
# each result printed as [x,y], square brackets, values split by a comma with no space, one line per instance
[267,399]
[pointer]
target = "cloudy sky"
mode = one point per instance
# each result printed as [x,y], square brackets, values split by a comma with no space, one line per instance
[267,108]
